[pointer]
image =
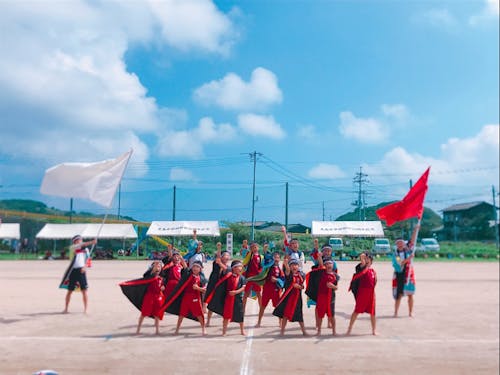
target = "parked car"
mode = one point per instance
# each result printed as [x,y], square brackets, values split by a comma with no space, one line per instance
[381,246]
[429,244]
[336,243]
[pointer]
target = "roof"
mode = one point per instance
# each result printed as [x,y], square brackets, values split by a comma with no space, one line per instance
[464,206]
[10,231]
[63,231]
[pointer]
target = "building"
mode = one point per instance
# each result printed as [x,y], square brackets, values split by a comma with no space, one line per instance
[468,221]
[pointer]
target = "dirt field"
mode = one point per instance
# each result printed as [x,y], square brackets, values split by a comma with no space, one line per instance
[455,329]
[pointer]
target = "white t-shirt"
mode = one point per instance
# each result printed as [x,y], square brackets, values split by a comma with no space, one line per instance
[81,257]
[196,257]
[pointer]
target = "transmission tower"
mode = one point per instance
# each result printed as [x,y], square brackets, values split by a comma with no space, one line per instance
[360,182]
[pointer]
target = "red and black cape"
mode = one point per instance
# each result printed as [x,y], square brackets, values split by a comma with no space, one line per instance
[291,300]
[217,298]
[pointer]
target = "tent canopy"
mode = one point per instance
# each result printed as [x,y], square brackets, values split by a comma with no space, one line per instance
[10,231]
[347,228]
[62,231]
[183,228]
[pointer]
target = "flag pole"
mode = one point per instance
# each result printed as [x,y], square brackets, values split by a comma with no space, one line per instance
[99,232]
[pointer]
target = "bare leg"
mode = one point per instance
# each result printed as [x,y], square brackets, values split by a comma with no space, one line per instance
[179,321]
[85,300]
[351,322]
[201,319]
[319,323]
[396,306]
[373,320]
[209,316]
[303,328]
[157,325]
[261,314]
[283,325]
[66,302]
[410,306]
[242,329]
[245,297]
[334,324]
[139,324]
[224,326]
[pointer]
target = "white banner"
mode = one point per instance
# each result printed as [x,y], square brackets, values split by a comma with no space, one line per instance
[97,182]
[184,228]
[10,231]
[347,228]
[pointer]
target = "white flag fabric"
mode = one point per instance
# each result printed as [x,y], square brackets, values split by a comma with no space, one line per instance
[93,181]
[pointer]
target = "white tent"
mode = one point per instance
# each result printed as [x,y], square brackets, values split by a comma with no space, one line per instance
[347,229]
[10,231]
[87,231]
[183,228]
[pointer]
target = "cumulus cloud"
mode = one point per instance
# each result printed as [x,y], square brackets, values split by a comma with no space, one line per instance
[478,154]
[364,130]
[490,12]
[233,93]
[442,18]
[190,142]
[326,171]
[397,111]
[65,91]
[180,174]
[260,126]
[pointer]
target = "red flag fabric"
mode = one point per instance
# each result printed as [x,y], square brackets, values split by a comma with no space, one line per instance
[412,204]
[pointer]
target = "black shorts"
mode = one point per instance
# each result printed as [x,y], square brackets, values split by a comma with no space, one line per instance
[77,276]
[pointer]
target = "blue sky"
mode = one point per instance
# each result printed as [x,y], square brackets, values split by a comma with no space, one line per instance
[318,88]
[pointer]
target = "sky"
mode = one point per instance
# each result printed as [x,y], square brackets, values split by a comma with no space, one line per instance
[317,90]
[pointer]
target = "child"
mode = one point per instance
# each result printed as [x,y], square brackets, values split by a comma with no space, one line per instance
[76,274]
[325,302]
[172,272]
[365,296]
[219,269]
[226,298]
[147,295]
[272,286]
[289,307]
[253,268]
[186,299]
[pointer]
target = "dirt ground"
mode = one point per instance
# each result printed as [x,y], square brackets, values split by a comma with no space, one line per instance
[455,329]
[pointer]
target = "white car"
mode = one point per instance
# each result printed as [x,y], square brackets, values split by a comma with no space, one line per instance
[381,246]
[429,244]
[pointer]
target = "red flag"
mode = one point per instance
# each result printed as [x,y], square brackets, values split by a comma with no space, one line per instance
[412,204]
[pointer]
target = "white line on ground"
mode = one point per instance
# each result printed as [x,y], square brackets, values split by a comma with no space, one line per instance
[245,363]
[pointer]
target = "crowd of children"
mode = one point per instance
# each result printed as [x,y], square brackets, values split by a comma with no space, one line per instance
[178,286]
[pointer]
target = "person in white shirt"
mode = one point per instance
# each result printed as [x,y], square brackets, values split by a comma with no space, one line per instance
[77,273]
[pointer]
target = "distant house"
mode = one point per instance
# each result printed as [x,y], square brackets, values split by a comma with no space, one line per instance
[468,221]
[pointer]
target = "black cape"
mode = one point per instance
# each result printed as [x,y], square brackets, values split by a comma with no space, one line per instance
[279,311]
[216,299]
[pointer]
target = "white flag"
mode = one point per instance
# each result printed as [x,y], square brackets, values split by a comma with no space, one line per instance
[93,181]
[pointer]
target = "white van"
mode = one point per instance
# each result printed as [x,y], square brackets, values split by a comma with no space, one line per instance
[381,246]
[429,244]
[336,243]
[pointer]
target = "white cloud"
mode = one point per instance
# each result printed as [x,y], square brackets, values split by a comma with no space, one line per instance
[180,174]
[231,92]
[326,171]
[490,11]
[307,132]
[397,111]
[260,126]
[364,130]
[478,155]
[190,142]
[440,18]
[65,91]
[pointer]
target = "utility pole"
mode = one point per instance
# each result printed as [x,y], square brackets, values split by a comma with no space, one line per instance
[323,210]
[495,216]
[253,157]
[173,204]
[286,206]
[70,210]
[119,198]
[360,180]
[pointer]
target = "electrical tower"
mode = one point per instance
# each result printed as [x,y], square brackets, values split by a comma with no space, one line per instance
[360,182]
